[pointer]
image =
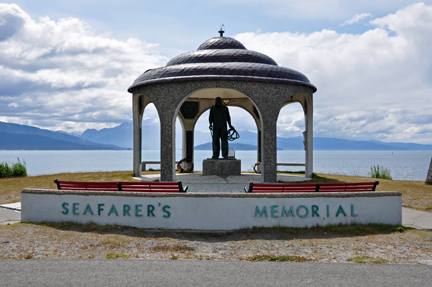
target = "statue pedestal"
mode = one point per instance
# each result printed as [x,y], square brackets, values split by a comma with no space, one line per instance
[221,167]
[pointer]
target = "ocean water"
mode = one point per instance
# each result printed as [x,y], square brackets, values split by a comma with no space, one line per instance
[403,165]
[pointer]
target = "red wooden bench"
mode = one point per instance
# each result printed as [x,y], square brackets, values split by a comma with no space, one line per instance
[152,186]
[311,187]
[82,185]
[140,186]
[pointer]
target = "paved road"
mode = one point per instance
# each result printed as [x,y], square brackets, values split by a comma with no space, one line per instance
[207,273]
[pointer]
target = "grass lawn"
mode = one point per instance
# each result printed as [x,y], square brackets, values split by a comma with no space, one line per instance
[415,194]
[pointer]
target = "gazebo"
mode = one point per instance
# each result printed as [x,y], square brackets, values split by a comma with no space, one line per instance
[221,67]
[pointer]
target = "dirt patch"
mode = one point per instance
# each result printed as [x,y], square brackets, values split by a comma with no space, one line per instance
[357,244]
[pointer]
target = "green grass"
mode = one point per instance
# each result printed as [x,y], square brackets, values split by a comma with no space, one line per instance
[360,259]
[17,169]
[380,261]
[377,172]
[367,259]
[172,248]
[5,170]
[117,255]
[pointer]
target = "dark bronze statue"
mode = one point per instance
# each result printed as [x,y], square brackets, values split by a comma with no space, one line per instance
[219,116]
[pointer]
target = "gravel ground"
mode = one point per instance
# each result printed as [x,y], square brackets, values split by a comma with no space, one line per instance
[30,241]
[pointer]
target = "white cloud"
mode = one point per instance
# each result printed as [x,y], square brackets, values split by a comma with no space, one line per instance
[382,72]
[355,19]
[57,72]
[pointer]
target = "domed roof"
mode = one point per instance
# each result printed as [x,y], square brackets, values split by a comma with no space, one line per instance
[221,43]
[222,58]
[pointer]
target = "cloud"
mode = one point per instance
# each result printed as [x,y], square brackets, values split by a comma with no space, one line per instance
[383,72]
[356,19]
[58,73]
[12,19]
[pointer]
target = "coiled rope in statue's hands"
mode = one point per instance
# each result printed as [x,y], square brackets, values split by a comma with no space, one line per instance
[232,133]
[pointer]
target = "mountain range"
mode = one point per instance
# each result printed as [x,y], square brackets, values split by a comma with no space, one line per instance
[22,137]
[14,136]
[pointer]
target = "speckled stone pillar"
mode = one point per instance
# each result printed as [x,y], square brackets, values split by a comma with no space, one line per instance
[167,148]
[269,147]
[309,137]
[137,129]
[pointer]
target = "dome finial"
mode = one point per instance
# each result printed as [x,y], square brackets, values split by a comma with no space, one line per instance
[221,31]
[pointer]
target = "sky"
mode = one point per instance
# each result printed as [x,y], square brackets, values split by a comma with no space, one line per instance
[66,65]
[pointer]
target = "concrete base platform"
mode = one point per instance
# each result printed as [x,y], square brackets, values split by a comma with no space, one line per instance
[244,177]
[221,167]
[199,183]
[410,217]
[224,211]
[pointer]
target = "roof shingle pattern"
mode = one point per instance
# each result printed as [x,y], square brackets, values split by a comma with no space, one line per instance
[222,58]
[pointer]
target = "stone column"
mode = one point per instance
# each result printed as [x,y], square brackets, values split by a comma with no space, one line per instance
[309,137]
[269,147]
[429,176]
[137,131]
[167,126]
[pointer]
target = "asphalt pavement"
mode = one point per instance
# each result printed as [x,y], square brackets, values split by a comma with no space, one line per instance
[91,272]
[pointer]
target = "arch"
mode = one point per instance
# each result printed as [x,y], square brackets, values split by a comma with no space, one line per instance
[139,103]
[291,124]
[204,99]
[268,99]
[306,101]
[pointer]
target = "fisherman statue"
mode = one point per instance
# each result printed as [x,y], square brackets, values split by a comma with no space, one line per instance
[218,119]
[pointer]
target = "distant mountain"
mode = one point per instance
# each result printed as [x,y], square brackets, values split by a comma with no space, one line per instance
[249,141]
[11,141]
[122,136]
[14,136]
[21,137]
[321,143]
